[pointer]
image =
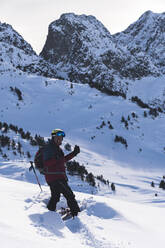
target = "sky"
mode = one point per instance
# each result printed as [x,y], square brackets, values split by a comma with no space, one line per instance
[31,18]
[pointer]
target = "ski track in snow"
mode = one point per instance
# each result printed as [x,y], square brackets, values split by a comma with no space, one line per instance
[76,226]
[88,239]
[48,224]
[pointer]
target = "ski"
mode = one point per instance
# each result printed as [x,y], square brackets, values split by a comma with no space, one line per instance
[66,213]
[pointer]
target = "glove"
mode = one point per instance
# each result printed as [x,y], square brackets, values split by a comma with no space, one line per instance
[76,150]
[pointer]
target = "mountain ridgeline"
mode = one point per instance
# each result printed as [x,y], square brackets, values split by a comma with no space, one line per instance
[80,49]
[17,55]
[83,50]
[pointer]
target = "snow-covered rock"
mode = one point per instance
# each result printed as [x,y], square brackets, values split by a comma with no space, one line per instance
[10,36]
[83,50]
[75,45]
[79,48]
[17,55]
[146,37]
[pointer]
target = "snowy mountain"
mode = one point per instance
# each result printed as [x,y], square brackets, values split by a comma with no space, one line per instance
[17,55]
[121,136]
[10,36]
[83,50]
[145,37]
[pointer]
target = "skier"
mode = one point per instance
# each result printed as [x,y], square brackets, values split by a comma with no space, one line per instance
[55,175]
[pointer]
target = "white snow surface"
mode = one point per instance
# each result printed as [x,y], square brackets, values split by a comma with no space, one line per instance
[132,216]
[25,221]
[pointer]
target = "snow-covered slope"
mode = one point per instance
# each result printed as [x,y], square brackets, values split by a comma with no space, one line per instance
[121,141]
[86,114]
[104,223]
[127,217]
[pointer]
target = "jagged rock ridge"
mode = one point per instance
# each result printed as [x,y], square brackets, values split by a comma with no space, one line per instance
[10,36]
[17,54]
[79,48]
[83,50]
[146,37]
[72,44]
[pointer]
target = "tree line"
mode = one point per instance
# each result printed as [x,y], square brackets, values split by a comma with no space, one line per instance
[74,168]
[16,146]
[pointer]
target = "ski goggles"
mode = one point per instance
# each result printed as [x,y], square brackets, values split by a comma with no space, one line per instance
[60,133]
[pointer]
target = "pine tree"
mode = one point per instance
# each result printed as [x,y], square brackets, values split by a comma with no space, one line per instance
[113,187]
[152,184]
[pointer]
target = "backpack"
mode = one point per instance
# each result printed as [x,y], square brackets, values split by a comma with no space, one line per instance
[38,160]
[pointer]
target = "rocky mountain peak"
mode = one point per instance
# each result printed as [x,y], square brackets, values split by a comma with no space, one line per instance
[79,48]
[143,27]
[17,54]
[81,23]
[83,50]
[146,36]
[71,33]
[9,36]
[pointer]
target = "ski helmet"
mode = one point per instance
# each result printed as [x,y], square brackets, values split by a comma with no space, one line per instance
[58,132]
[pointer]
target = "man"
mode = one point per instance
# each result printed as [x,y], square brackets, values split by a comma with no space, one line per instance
[55,175]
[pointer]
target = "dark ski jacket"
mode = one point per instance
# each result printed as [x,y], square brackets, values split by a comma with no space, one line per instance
[54,162]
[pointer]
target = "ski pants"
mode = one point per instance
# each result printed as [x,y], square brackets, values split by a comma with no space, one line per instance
[61,187]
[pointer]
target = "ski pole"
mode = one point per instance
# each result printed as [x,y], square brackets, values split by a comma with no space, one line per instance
[32,168]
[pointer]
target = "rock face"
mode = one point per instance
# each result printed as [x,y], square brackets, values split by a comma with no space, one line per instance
[9,36]
[146,37]
[68,35]
[80,49]
[17,54]
[75,44]
[83,50]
